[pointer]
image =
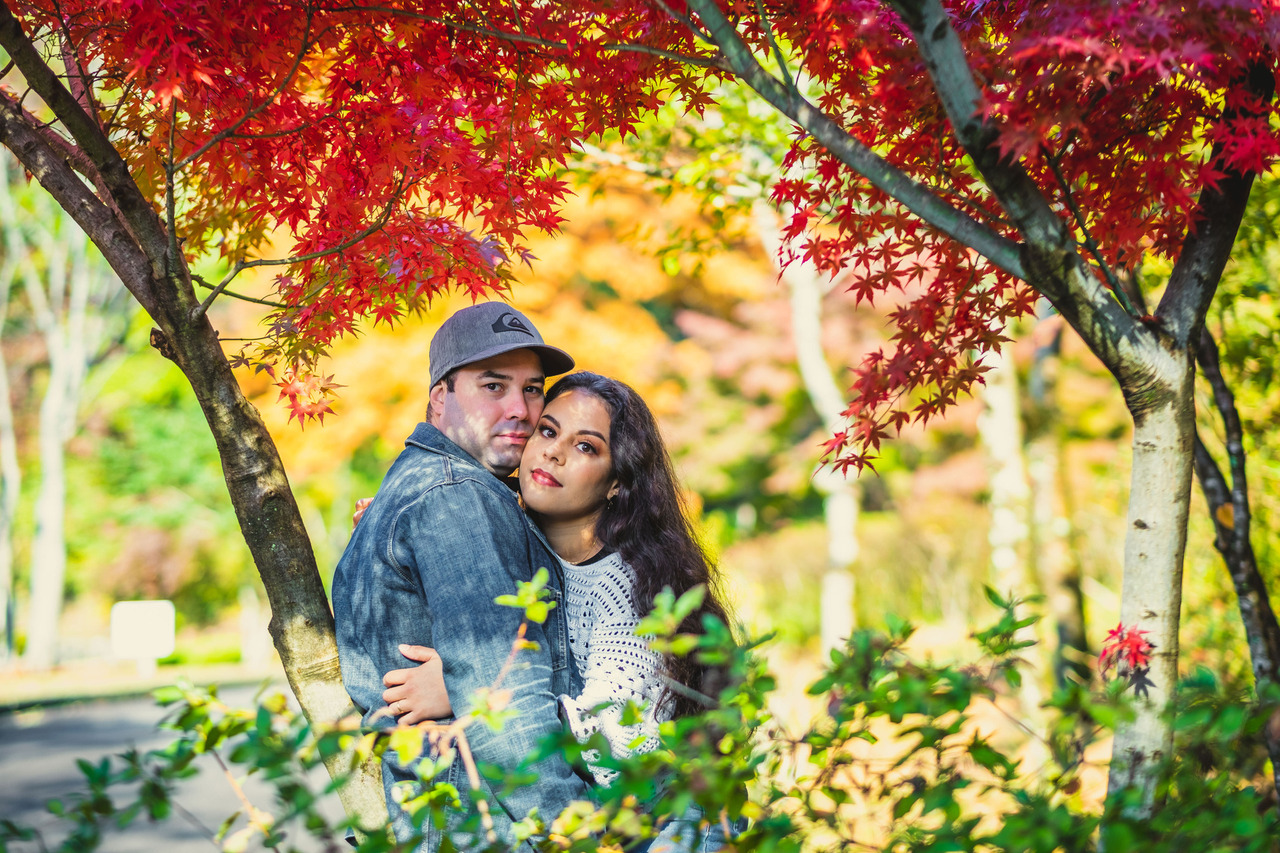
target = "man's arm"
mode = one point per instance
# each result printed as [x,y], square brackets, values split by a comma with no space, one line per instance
[468,546]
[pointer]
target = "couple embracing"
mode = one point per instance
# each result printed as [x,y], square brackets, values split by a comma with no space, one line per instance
[446,534]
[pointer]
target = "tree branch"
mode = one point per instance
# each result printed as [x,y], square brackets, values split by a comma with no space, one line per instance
[1207,248]
[241,266]
[135,209]
[31,146]
[521,38]
[787,79]
[1089,243]
[1052,264]
[224,292]
[1232,520]
[230,131]
[917,198]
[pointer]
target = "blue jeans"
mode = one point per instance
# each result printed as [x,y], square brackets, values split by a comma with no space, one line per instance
[686,834]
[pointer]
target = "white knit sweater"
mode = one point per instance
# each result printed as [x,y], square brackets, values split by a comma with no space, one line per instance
[616,665]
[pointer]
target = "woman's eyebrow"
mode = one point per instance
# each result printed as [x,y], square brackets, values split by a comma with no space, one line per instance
[591,432]
[553,420]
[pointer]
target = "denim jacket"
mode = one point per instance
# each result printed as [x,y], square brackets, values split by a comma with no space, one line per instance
[442,538]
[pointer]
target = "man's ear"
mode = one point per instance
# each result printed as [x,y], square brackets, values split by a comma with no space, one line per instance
[436,399]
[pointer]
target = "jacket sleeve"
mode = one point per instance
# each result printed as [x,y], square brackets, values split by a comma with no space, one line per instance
[467,546]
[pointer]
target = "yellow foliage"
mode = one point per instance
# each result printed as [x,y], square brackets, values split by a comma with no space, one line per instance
[736,275]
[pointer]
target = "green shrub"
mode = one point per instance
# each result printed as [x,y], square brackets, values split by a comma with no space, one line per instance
[944,787]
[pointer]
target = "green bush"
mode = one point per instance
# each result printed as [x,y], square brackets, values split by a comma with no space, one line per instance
[945,787]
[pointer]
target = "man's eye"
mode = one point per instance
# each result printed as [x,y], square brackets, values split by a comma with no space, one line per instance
[493,386]
[534,390]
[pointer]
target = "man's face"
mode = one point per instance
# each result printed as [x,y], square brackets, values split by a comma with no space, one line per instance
[492,409]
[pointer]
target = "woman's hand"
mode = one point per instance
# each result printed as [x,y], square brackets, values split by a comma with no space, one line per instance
[417,694]
[355,519]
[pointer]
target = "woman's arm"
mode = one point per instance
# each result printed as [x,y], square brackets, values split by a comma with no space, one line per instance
[417,694]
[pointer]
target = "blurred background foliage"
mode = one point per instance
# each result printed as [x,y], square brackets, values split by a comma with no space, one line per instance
[663,278]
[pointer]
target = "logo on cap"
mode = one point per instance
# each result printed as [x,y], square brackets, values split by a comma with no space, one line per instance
[509,322]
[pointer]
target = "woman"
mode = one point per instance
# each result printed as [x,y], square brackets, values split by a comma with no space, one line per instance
[597,479]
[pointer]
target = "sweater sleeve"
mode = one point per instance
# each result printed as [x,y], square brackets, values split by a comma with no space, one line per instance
[620,668]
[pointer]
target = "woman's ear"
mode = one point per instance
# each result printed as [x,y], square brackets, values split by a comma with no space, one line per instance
[613,491]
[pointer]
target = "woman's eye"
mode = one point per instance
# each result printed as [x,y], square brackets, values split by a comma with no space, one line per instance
[547,432]
[586,447]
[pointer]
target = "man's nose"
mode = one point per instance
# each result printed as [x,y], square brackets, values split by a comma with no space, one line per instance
[517,407]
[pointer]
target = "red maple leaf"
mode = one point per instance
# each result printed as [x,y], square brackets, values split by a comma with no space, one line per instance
[1127,649]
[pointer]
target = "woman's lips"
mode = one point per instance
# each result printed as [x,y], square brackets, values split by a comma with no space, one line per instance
[543,478]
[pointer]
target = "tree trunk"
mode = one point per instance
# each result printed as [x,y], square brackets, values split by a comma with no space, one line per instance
[301,623]
[49,550]
[10,486]
[144,251]
[1151,600]
[10,470]
[1232,520]
[839,495]
[1000,432]
[1055,561]
[54,316]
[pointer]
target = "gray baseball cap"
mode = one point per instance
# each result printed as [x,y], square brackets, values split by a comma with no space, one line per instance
[485,330]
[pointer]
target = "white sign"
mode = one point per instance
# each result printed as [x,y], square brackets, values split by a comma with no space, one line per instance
[142,630]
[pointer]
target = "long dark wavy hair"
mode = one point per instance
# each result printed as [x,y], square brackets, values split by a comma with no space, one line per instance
[646,523]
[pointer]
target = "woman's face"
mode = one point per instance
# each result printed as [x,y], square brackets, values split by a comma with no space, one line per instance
[565,470]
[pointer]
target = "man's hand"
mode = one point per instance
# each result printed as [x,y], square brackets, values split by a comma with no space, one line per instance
[355,519]
[417,694]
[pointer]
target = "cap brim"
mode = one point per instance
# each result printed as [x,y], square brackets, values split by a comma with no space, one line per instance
[554,360]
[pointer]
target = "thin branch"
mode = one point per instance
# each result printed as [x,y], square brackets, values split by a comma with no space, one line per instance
[170,201]
[1207,247]
[1089,242]
[125,92]
[207,286]
[229,131]
[884,176]
[687,20]
[33,148]
[787,79]
[77,79]
[134,208]
[520,38]
[257,818]
[1232,520]
[241,266]
[274,134]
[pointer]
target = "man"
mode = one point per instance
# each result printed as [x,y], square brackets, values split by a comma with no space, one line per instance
[443,537]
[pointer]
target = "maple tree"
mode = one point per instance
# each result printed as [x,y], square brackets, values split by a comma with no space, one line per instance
[983,151]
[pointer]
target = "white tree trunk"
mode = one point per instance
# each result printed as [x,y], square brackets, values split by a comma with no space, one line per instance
[1151,600]
[71,339]
[10,483]
[840,496]
[48,552]
[1000,431]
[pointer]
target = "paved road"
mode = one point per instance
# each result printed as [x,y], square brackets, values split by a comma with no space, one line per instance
[38,752]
